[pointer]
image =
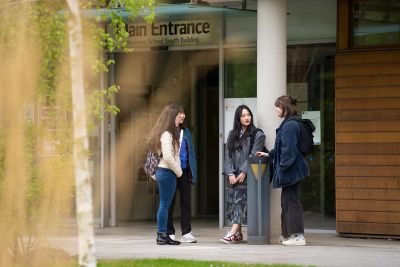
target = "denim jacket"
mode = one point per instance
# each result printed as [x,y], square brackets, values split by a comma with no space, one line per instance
[192,155]
[290,165]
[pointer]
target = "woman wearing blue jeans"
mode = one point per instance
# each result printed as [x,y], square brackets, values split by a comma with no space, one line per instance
[183,186]
[164,139]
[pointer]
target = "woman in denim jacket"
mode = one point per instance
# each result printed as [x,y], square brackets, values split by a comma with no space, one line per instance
[189,177]
[290,168]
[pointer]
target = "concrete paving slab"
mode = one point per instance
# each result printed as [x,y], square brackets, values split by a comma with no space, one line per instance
[324,248]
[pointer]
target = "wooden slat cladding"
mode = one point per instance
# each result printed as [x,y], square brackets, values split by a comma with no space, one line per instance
[368,103]
[368,69]
[374,182]
[367,149]
[386,91]
[368,142]
[368,126]
[368,160]
[369,216]
[365,194]
[386,229]
[376,58]
[368,205]
[370,137]
[372,114]
[367,81]
[366,171]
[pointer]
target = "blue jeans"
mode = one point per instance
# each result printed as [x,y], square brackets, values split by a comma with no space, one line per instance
[167,185]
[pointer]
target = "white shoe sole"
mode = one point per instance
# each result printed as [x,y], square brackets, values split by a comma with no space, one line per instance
[299,243]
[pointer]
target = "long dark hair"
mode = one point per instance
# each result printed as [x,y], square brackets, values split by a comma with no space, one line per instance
[234,141]
[287,104]
[165,122]
[181,110]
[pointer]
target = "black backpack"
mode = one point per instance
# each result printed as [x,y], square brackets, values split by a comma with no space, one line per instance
[306,142]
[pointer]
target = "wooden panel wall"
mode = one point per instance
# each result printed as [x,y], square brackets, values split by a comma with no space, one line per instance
[368,143]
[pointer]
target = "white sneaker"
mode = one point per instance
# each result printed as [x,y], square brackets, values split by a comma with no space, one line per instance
[295,240]
[188,238]
[173,237]
[282,238]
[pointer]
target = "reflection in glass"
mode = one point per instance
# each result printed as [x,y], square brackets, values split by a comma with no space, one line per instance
[375,22]
[310,79]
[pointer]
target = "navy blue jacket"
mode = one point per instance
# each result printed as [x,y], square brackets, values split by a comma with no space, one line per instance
[192,155]
[290,165]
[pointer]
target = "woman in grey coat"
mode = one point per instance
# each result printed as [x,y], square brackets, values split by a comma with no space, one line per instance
[243,141]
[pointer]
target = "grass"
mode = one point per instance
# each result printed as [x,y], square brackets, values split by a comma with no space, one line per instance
[181,263]
[148,263]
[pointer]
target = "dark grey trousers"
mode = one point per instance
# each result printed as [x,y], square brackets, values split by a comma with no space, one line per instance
[292,211]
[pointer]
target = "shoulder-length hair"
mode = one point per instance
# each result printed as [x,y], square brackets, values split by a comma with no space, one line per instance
[234,140]
[287,104]
[165,122]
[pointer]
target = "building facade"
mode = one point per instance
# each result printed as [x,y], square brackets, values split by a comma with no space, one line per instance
[367,125]
[340,59]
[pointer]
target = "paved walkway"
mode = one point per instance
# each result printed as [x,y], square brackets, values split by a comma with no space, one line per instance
[323,248]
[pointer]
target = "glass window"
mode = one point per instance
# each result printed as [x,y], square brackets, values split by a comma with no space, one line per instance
[375,22]
[311,80]
[240,82]
[241,73]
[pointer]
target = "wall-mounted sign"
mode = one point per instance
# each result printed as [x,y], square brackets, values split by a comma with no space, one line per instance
[174,33]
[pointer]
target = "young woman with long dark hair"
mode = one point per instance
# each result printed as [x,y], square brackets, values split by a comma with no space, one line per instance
[238,150]
[164,139]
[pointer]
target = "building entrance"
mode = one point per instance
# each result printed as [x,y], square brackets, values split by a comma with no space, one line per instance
[208,124]
[149,80]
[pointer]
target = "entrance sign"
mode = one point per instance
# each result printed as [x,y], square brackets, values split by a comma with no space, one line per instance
[174,33]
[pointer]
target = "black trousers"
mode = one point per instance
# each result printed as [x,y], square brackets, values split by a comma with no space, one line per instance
[183,185]
[292,210]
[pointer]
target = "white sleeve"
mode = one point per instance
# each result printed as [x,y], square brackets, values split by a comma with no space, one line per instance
[168,154]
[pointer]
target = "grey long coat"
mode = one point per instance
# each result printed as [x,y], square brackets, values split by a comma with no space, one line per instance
[237,162]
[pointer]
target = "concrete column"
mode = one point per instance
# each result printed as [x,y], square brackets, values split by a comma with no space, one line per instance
[271,83]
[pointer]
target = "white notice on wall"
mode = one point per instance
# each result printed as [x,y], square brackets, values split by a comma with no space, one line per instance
[230,105]
[315,117]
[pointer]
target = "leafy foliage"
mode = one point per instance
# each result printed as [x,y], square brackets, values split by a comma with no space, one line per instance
[51,31]
[47,178]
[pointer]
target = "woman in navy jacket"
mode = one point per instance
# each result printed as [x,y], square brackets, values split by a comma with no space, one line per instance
[290,168]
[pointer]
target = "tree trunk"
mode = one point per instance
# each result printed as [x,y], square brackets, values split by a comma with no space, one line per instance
[84,206]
